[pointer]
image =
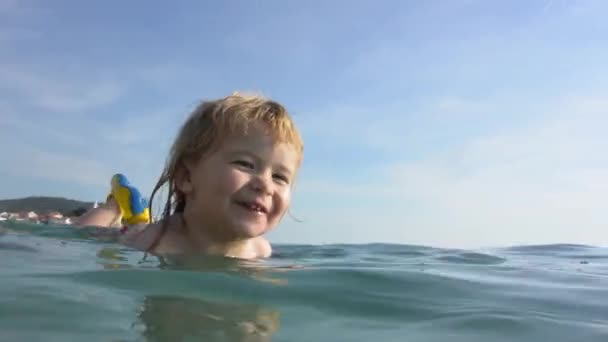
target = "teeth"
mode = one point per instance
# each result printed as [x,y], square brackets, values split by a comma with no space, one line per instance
[255,207]
[252,206]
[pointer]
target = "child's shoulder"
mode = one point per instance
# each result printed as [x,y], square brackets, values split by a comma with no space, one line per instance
[262,247]
[155,238]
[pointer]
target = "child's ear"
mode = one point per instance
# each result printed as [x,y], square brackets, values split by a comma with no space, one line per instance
[183,181]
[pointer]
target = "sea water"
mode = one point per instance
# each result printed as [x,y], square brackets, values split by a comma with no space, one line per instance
[61,284]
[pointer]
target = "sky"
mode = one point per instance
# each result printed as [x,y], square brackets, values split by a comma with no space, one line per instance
[463,124]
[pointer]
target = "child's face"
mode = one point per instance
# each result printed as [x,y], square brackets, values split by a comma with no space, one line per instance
[243,189]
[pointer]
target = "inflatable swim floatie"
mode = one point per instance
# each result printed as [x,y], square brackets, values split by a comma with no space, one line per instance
[133,208]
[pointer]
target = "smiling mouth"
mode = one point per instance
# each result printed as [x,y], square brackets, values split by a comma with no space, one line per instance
[253,207]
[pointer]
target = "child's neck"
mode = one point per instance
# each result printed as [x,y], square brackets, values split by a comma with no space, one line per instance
[204,241]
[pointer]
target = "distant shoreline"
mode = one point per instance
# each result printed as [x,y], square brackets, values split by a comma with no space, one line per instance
[44,204]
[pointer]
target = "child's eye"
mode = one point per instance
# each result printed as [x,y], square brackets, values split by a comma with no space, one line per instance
[244,163]
[281,178]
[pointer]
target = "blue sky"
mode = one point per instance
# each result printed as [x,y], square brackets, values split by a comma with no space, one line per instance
[446,123]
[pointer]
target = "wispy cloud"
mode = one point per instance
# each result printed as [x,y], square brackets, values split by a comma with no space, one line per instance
[540,182]
[450,105]
[59,94]
[19,127]
[52,166]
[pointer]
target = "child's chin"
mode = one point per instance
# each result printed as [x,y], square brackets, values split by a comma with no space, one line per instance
[248,231]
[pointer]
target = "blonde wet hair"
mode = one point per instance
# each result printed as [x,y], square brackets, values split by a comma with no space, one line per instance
[210,124]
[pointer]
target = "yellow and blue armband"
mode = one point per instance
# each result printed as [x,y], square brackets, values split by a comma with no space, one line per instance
[133,208]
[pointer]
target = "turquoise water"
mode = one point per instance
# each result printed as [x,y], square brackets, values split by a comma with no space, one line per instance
[58,284]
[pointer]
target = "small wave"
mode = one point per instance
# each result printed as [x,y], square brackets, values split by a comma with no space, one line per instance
[580,253]
[379,250]
[549,248]
[472,258]
[16,247]
[399,250]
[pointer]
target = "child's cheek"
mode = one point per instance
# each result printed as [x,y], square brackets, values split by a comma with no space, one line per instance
[285,196]
[236,179]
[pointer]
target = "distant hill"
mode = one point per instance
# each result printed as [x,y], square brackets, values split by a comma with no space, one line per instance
[43,205]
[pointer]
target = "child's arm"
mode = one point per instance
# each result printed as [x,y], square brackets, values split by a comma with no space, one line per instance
[106,215]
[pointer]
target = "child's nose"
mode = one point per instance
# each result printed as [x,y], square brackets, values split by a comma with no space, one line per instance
[262,183]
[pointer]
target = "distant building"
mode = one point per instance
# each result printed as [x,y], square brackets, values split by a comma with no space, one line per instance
[30,216]
[55,215]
